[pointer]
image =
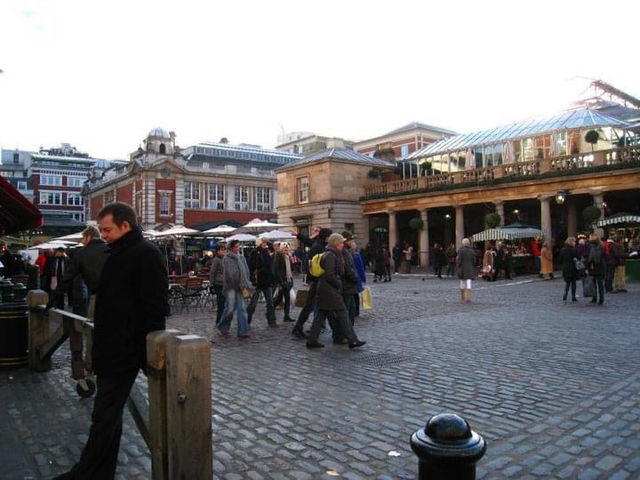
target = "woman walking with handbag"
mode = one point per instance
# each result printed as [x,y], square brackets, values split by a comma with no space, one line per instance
[568,259]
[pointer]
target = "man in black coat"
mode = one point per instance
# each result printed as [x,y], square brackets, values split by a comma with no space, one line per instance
[131,302]
[261,271]
[329,293]
[87,263]
[317,246]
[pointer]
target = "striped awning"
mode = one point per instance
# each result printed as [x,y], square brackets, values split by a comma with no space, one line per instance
[619,219]
[506,234]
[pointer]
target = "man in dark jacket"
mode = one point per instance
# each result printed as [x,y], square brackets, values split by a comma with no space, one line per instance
[131,302]
[349,278]
[318,246]
[329,293]
[216,279]
[261,270]
[86,263]
[596,267]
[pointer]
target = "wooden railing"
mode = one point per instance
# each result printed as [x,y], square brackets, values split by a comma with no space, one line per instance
[176,421]
[576,162]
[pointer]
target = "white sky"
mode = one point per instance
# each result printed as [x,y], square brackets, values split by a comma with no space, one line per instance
[100,75]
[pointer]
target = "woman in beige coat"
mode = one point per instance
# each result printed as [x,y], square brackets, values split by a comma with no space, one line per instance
[546,261]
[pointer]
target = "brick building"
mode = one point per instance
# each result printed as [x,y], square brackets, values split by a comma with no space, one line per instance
[199,186]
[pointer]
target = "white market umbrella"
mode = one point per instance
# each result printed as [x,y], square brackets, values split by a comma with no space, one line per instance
[151,233]
[55,244]
[220,230]
[242,237]
[178,231]
[256,226]
[73,237]
[277,235]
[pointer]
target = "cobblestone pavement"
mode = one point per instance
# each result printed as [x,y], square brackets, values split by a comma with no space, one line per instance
[554,388]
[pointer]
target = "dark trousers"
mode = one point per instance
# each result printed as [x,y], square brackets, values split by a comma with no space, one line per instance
[599,280]
[308,307]
[350,303]
[221,302]
[100,454]
[267,292]
[570,283]
[341,322]
[608,278]
[285,288]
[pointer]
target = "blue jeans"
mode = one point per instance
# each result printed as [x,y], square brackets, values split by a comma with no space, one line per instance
[235,303]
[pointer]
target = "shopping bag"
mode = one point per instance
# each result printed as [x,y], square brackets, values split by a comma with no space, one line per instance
[589,286]
[366,299]
[301,296]
[292,295]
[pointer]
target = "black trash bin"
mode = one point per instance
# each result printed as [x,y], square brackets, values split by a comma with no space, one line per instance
[14,334]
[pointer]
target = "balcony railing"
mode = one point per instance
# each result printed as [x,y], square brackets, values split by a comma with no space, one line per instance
[517,170]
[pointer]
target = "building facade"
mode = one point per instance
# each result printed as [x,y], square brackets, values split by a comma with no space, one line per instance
[53,180]
[324,190]
[402,142]
[306,143]
[199,186]
[543,172]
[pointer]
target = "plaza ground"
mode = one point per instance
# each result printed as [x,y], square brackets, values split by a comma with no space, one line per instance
[551,385]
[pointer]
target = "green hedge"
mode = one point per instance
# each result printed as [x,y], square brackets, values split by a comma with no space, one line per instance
[500,181]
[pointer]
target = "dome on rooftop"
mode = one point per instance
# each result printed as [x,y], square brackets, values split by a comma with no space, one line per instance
[159,133]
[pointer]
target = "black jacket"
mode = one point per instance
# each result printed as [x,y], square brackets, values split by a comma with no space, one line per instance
[87,262]
[329,291]
[567,259]
[596,262]
[261,268]
[280,268]
[350,276]
[131,302]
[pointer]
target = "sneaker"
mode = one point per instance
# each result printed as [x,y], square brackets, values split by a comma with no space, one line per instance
[357,344]
[289,319]
[224,334]
[315,345]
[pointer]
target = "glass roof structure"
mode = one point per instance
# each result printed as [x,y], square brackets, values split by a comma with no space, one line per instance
[573,120]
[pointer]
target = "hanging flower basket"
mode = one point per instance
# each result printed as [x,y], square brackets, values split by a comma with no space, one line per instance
[492,220]
[590,214]
[416,223]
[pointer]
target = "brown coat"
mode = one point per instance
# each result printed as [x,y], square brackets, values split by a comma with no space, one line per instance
[546,261]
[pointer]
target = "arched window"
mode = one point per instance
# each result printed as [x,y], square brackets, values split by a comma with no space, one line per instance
[163,149]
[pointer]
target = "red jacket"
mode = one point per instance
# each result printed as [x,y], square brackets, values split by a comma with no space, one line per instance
[535,249]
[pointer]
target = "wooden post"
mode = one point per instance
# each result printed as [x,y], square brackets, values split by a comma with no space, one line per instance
[157,345]
[38,330]
[189,408]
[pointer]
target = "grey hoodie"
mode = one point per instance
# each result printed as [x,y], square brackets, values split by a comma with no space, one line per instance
[236,272]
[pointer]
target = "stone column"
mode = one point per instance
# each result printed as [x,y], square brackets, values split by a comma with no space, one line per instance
[598,201]
[545,218]
[424,239]
[393,230]
[459,225]
[572,218]
[500,211]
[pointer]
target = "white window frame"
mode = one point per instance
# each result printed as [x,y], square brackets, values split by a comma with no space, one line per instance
[75,181]
[164,204]
[191,195]
[302,187]
[216,196]
[75,199]
[263,199]
[241,198]
[50,179]
[50,198]
[22,185]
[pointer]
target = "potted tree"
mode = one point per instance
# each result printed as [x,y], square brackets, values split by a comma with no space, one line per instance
[592,137]
[590,214]
[492,220]
[416,223]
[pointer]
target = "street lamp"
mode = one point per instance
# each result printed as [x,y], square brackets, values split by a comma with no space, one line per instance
[561,196]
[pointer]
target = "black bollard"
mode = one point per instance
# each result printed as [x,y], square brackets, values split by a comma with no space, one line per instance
[447,448]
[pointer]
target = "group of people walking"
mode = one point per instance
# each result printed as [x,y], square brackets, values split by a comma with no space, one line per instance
[332,294]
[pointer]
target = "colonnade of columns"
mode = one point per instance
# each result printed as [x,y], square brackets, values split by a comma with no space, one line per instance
[545,223]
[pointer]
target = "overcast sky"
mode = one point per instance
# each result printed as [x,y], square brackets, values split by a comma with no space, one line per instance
[100,75]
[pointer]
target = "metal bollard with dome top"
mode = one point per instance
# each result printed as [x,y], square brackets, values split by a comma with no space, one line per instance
[447,448]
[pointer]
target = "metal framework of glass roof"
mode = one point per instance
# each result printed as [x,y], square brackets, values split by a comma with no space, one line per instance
[573,120]
[240,152]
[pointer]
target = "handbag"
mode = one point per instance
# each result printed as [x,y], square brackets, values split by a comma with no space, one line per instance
[588,286]
[366,299]
[579,265]
[301,296]
[292,295]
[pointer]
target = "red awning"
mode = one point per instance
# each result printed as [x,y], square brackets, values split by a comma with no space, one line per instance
[16,212]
